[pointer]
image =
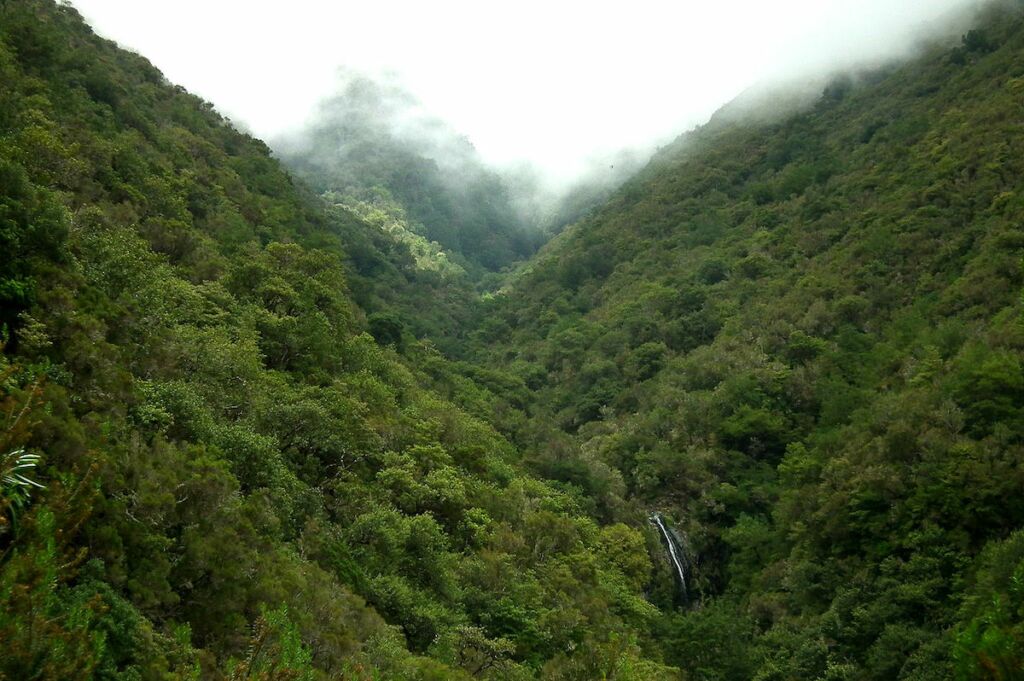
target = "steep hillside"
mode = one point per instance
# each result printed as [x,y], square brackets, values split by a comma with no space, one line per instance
[802,342]
[208,468]
[759,416]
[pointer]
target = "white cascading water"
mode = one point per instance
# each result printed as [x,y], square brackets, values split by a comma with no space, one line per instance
[674,553]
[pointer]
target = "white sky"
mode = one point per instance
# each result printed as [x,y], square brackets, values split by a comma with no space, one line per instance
[550,83]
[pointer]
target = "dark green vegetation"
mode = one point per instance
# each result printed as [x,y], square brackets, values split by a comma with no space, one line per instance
[241,482]
[426,226]
[801,341]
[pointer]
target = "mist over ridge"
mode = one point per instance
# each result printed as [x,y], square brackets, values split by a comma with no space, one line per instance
[375,141]
[374,135]
[554,87]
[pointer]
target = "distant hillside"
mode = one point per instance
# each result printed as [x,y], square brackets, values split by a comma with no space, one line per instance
[372,142]
[801,339]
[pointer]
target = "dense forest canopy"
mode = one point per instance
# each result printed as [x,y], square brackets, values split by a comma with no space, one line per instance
[759,415]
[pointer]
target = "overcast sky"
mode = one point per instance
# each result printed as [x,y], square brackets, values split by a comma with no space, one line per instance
[547,82]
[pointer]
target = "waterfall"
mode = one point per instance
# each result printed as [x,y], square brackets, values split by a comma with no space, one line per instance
[675,553]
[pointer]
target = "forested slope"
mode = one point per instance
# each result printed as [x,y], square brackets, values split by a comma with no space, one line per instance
[210,469]
[372,146]
[798,339]
[802,341]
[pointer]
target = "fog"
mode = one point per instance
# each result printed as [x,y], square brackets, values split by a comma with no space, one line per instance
[553,87]
[373,130]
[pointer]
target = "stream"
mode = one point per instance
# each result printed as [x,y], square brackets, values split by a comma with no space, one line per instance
[676,554]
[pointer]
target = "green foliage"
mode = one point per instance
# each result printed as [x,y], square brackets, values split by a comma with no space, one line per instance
[714,643]
[801,339]
[33,225]
[250,465]
[990,643]
[276,651]
[386,329]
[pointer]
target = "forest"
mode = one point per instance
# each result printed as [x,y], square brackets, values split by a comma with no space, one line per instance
[338,411]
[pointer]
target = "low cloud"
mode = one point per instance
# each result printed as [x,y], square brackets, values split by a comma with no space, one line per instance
[554,85]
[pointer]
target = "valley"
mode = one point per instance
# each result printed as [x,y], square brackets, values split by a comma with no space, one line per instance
[339,406]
